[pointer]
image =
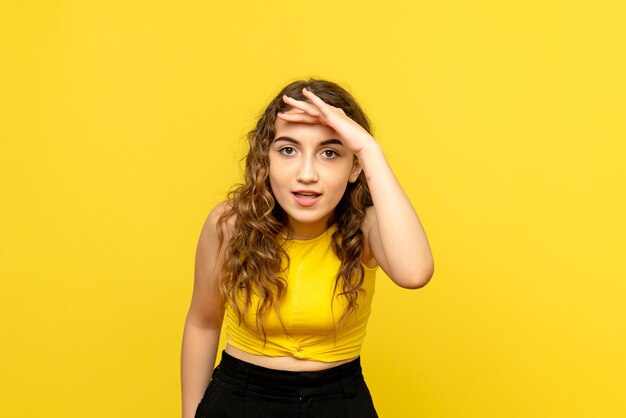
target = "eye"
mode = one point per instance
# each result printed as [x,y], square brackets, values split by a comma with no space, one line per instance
[287,150]
[330,154]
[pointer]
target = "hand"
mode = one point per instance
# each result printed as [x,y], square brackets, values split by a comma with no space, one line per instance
[353,136]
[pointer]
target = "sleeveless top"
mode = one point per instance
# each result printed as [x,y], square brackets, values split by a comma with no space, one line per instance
[308,319]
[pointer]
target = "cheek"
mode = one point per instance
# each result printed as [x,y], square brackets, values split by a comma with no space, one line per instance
[339,186]
[341,177]
[277,183]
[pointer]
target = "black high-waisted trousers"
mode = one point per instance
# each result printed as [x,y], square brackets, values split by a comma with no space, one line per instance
[239,389]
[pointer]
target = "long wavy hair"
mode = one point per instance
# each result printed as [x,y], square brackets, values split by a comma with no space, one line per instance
[254,255]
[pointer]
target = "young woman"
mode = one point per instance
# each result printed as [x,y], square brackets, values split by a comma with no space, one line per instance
[288,263]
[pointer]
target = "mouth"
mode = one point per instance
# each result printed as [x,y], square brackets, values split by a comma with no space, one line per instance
[306,194]
[306,197]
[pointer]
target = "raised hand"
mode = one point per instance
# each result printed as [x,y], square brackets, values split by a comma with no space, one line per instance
[350,133]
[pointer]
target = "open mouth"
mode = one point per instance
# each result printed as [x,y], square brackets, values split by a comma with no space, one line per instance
[306,195]
[305,198]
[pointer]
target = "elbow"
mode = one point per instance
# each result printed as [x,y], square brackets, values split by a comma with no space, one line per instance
[416,283]
[417,280]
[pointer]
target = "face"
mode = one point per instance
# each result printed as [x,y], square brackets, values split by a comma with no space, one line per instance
[309,171]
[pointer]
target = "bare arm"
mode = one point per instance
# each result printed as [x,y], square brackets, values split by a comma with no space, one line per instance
[204,319]
[392,228]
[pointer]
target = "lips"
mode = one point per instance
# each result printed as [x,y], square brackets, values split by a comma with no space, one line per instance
[306,197]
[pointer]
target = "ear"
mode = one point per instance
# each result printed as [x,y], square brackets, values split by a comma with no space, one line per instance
[356,170]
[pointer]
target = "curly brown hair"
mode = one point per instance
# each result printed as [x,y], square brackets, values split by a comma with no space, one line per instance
[254,252]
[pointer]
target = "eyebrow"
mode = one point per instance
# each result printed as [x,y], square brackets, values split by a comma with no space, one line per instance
[332,141]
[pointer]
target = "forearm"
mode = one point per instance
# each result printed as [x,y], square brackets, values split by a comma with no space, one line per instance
[402,236]
[199,350]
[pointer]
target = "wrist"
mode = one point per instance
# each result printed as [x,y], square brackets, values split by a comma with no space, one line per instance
[372,150]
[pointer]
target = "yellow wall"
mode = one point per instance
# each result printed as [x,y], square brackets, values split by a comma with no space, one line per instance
[122,124]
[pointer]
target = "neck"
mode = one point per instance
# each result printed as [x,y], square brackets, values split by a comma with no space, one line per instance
[307,231]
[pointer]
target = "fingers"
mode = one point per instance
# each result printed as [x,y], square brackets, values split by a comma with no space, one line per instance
[324,108]
[299,118]
[299,104]
[316,100]
[316,112]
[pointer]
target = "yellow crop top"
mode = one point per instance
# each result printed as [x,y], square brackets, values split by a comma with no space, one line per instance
[306,310]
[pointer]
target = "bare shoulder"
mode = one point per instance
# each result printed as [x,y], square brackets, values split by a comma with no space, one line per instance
[215,232]
[368,227]
[206,308]
[213,226]
[369,221]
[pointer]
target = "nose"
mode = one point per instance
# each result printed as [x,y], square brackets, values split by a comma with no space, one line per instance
[307,172]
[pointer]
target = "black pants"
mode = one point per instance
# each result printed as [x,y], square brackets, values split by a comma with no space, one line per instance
[239,389]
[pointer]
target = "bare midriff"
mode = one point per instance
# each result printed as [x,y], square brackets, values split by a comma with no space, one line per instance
[288,363]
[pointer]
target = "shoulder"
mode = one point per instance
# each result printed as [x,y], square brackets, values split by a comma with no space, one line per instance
[220,209]
[368,227]
[206,306]
[220,221]
[213,240]
[369,221]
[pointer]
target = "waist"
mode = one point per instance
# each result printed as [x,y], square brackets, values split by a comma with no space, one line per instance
[286,363]
[263,379]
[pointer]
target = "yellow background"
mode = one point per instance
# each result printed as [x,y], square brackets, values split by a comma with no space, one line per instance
[122,124]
